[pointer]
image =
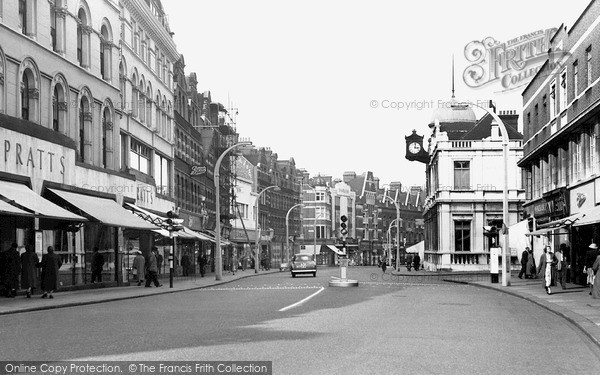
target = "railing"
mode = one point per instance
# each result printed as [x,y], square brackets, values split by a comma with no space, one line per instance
[467,258]
[461,144]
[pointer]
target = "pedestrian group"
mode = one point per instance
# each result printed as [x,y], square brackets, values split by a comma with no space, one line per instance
[26,265]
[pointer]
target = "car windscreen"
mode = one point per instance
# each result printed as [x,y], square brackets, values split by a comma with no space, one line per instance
[302,258]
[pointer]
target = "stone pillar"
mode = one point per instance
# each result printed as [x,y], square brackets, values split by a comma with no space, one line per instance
[60,31]
[30,22]
[85,46]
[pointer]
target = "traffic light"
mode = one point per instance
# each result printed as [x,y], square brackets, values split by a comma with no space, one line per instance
[343,226]
[531,224]
[173,223]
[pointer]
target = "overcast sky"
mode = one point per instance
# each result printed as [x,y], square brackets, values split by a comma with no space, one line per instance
[306,75]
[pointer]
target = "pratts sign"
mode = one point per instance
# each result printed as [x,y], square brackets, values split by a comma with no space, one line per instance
[33,157]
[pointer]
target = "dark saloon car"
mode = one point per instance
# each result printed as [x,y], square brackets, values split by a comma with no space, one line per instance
[303,263]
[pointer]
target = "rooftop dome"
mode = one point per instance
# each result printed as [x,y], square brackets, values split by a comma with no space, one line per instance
[453,112]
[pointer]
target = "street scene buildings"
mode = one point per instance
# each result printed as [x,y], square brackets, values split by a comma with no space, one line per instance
[122,165]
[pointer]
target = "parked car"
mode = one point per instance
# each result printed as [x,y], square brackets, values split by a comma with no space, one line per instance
[284,267]
[303,263]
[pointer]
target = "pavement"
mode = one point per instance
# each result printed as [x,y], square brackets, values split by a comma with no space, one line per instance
[573,304]
[21,304]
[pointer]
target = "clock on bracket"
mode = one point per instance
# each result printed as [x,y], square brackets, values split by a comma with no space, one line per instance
[414,148]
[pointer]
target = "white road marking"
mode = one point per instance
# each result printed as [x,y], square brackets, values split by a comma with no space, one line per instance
[302,301]
[261,288]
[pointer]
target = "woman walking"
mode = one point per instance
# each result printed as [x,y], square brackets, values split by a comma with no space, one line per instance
[596,288]
[50,265]
[545,266]
[29,263]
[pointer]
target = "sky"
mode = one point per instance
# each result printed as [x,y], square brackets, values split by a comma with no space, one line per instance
[337,85]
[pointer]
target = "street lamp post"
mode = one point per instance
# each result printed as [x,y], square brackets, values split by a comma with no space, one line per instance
[287,230]
[315,234]
[390,240]
[505,140]
[397,230]
[257,240]
[218,256]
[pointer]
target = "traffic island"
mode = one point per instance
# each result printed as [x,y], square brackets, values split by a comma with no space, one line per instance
[343,281]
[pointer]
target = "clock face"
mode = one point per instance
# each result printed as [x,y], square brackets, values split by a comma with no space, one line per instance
[414,148]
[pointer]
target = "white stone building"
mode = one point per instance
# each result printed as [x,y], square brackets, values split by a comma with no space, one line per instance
[465,187]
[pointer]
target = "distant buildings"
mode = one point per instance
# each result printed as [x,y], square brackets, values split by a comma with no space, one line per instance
[324,200]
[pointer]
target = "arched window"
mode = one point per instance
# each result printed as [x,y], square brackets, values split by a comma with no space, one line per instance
[122,84]
[105,52]
[134,96]
[59,104]
[158,116]
[107,136]
[83,38]
[55,116]
[149,105]
[163,119]
[169,117]
[142,102]
[25,97]
[85,125]
[29,98]
[158,62]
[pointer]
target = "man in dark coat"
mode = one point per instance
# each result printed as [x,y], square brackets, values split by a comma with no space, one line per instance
[524,260]
[50,264]
[185,264]
[152,269]
[12,269]
[29,262]
[202,264]
[97,265]
[417,262]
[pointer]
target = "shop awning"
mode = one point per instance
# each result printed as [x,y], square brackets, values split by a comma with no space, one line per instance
[25,197]
[213,238]
[419,247]
[104,210]
[179,233]
[200,236]
[591,216]
[560,223]
[147,215]
[185,233]
[335,249]
[542,231]
[6,208]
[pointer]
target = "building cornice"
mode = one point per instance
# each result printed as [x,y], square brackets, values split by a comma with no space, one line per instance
[152,26]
